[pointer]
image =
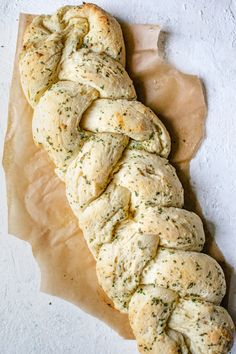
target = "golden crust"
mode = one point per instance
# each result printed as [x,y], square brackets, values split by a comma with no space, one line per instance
[120,185]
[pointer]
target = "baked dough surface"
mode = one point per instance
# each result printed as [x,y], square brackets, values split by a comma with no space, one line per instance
[111,151]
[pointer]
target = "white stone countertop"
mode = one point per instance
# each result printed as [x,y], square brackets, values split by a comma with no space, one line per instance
[201,40]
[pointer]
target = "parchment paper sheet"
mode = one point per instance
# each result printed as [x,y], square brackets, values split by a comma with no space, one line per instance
[37,206]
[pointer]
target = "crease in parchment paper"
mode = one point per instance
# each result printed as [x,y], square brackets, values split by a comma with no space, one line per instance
[38,211]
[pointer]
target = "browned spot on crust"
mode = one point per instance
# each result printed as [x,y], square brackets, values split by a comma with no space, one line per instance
[120,119]
[216,336]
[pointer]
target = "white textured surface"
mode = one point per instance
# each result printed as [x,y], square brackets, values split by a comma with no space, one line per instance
[201,40]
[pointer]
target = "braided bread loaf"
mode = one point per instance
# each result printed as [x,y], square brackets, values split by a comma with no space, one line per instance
[111,150]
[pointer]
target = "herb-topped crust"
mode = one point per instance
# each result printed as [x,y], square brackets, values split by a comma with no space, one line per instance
[111,151]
